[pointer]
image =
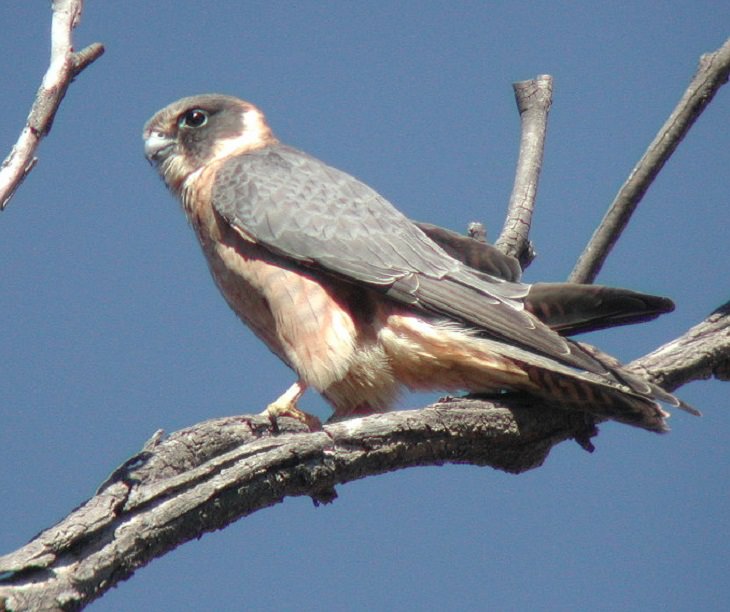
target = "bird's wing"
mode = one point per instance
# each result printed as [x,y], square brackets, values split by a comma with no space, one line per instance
[303,209]
[568,308]
[571,308]
[474,253]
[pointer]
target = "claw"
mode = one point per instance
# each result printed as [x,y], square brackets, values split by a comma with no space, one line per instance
[286,406]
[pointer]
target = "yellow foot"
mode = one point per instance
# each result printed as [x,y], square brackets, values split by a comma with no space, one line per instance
[286,406]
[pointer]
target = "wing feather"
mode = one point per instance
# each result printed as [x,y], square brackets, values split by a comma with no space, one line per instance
[303,209]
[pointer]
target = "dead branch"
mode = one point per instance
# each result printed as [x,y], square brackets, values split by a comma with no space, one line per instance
[712,73]
[65,65]
[533,98]
[203,478]
[701,353]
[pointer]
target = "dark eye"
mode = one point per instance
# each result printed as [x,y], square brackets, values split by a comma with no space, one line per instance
[194,118]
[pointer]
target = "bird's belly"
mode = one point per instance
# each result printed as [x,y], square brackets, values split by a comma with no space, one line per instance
[236,281]
[305,320]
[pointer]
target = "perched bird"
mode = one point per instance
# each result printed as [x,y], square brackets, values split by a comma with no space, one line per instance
[359,301]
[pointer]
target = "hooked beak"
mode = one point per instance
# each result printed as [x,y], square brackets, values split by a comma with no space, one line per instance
[157,146]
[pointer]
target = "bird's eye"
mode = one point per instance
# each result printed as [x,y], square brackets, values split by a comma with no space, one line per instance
[194,118]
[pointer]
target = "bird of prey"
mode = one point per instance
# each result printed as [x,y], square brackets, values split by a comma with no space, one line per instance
[361,302]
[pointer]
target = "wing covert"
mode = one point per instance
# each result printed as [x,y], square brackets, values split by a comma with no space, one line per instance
[303,209]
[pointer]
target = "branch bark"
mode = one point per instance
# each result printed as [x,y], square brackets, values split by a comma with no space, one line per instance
[65,65]
[701,353]
[203,478]
[712,73]
[534,99]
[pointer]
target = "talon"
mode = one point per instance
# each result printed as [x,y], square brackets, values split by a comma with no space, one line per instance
[286,406]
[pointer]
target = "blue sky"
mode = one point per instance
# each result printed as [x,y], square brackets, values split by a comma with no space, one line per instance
[111,327]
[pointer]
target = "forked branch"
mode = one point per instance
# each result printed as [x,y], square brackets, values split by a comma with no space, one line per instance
[65,65]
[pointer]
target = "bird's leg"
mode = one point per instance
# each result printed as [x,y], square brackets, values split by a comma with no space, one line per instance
[286,406]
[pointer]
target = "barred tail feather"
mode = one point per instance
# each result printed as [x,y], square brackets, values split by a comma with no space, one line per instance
[639,385]
[598,398]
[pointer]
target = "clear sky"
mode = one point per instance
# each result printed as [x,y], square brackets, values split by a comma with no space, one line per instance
[111,327]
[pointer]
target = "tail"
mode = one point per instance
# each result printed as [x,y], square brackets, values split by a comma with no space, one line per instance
[618,394]
[598,398]
[608,390]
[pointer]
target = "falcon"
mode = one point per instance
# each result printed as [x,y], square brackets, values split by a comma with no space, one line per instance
[360,301]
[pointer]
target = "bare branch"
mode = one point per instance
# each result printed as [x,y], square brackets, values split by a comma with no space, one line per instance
[703,352]
[65,65]
[711,74]
[203,478]
[533,101]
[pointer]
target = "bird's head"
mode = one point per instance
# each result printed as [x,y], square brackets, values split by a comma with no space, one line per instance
[188,134]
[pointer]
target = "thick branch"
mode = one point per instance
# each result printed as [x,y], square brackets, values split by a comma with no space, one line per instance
[711,74]
[203,478]
[65,65]
[534,98]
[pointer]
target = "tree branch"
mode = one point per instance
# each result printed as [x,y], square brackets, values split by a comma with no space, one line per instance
[712,73]
[65,65]
[533,98]
[701,353]
[202,478]
[205,477]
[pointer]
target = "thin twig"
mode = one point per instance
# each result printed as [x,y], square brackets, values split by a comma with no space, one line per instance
[533,98]
[65,65]
[711,74]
